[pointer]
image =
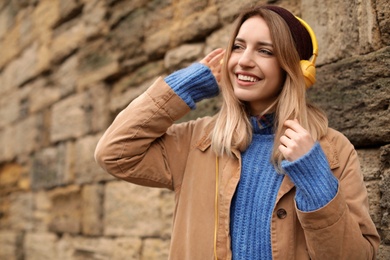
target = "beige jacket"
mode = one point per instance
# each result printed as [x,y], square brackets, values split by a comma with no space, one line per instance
[145,147]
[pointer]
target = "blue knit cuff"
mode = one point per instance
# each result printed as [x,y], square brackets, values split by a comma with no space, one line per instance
[193,83]
[315,183]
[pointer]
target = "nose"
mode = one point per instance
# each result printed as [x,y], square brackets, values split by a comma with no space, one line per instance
[246,59]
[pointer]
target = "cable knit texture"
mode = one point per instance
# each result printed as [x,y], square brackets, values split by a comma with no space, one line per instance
[193,83]
[311,174]
[254,200]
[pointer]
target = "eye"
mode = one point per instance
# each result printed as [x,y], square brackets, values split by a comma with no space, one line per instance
[237,46]
[266,52]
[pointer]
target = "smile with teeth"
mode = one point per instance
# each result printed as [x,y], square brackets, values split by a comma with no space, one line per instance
[247,78]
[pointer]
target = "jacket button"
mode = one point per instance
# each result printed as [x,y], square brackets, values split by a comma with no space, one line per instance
[281,213]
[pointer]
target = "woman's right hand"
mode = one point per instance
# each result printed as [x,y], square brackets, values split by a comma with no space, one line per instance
[213,60]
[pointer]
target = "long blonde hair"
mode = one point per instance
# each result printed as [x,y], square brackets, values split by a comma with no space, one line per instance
[233,129]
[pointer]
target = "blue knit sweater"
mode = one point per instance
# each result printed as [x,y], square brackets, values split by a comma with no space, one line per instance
[254,199]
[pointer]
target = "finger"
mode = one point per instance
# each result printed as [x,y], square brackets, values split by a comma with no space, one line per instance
[285,152]
[294,125]
[290,133]
[213,53]
[285,141]
[216,60]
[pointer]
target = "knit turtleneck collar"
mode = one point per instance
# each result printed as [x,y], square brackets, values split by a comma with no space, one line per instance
[263,124]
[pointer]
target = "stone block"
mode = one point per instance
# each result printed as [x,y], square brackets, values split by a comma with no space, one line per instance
[11,243]
[90,248]
[71,118]
[21,211]
[86,168]
[383,14]
[156,44]
[68,9]
[346,28]
[67,210]
[384,252]
[195,27]
[119,100]
[155,249]
[68,40]
[52,166]
[227,12]
[92,209]
[385,189]
[94,18]
[29,134]
[6,18]
[7,149]
[10,105]
[127,248]
[354,93]
[132,210]
[96,62]
[119,10]
[39,246]
[183,56]
[101,115]
[218,39]
[65,78]
[42,95]
[46,15]
[183,9]
[26,65]
[374,198]
[128,34]
[159,15]
[42,211]
[385,157]
[370,163]
[26,28]
[9,45]
[12,178]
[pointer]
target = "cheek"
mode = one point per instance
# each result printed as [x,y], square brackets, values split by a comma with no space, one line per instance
[275,71]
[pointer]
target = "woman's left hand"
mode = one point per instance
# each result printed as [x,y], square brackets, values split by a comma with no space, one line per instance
[296,141]
[213,60]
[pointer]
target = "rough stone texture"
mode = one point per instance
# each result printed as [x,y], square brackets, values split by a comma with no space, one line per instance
[92,209]
[355,94]
[67,210]
[10,242]
[67,67]
[70,117]
[130,201]
[40,245]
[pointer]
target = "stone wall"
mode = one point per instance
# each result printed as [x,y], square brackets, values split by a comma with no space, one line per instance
[67,67]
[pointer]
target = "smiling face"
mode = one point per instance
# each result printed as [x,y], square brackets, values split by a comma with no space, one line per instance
[254,70]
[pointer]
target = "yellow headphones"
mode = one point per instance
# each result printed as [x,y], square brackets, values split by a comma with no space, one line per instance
[308,66]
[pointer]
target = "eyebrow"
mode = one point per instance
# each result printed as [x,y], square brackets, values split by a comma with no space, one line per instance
[261,43]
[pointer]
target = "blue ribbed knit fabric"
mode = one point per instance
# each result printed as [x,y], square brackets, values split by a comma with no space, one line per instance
[193,83]
[254,199]
[311,174]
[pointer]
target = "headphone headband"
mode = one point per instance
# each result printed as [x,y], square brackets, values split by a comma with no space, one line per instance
[313,39]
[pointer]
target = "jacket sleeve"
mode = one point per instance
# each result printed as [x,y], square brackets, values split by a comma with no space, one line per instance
[343,228]
[142,145]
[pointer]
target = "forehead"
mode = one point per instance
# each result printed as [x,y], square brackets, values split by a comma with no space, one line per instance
[254,27]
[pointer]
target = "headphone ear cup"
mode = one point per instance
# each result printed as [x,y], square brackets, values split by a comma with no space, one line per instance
[309,72]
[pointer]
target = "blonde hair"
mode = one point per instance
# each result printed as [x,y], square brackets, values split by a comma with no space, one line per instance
[233,129]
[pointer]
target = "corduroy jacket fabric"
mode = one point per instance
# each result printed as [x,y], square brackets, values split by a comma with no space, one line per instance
[145,147]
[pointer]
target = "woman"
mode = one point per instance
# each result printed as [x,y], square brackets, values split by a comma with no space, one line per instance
[263,179]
